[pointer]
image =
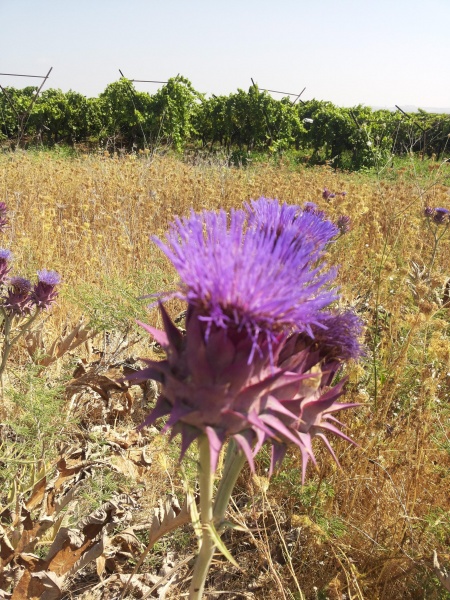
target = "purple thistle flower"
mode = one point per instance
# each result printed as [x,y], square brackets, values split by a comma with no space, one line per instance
[308,228]
[310,207]
[44,292]
[326,194]
[17,300]
[5,257]
[337,337]
[343,224]
[439,215]
[259,351]
[228,270]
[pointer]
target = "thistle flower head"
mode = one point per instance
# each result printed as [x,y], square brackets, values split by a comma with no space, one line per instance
[309,228]
[228,268]
[343,224]
[5,258]
[5,255]
[17,300]
[45,292]
[20,284]
[310,207]
[259,351]
[439,215]
[49,277]
[327,195]
[337,336]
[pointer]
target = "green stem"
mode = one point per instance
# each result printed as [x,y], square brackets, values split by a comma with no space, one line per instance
[213,514]
[234,461]
[204,558]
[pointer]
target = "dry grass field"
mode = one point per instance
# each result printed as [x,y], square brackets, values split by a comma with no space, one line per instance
[365,532]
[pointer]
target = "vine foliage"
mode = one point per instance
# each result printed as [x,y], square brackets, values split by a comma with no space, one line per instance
[242,123]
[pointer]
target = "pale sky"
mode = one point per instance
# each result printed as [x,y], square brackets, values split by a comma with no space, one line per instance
[373,52]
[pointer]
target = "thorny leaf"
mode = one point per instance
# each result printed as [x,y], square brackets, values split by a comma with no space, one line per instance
[167,517]
[67,342]
[72,548]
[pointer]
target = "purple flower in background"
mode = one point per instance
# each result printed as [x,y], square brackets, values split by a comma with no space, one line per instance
[45,292]
[259,351]
[327,195]
[438,214]
[308,228]
[343,224]
[310,207]
[441,215]
[5,258]
[17,300]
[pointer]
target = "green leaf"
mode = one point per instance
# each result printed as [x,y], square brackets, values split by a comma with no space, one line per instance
[221,546]
[234,526]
